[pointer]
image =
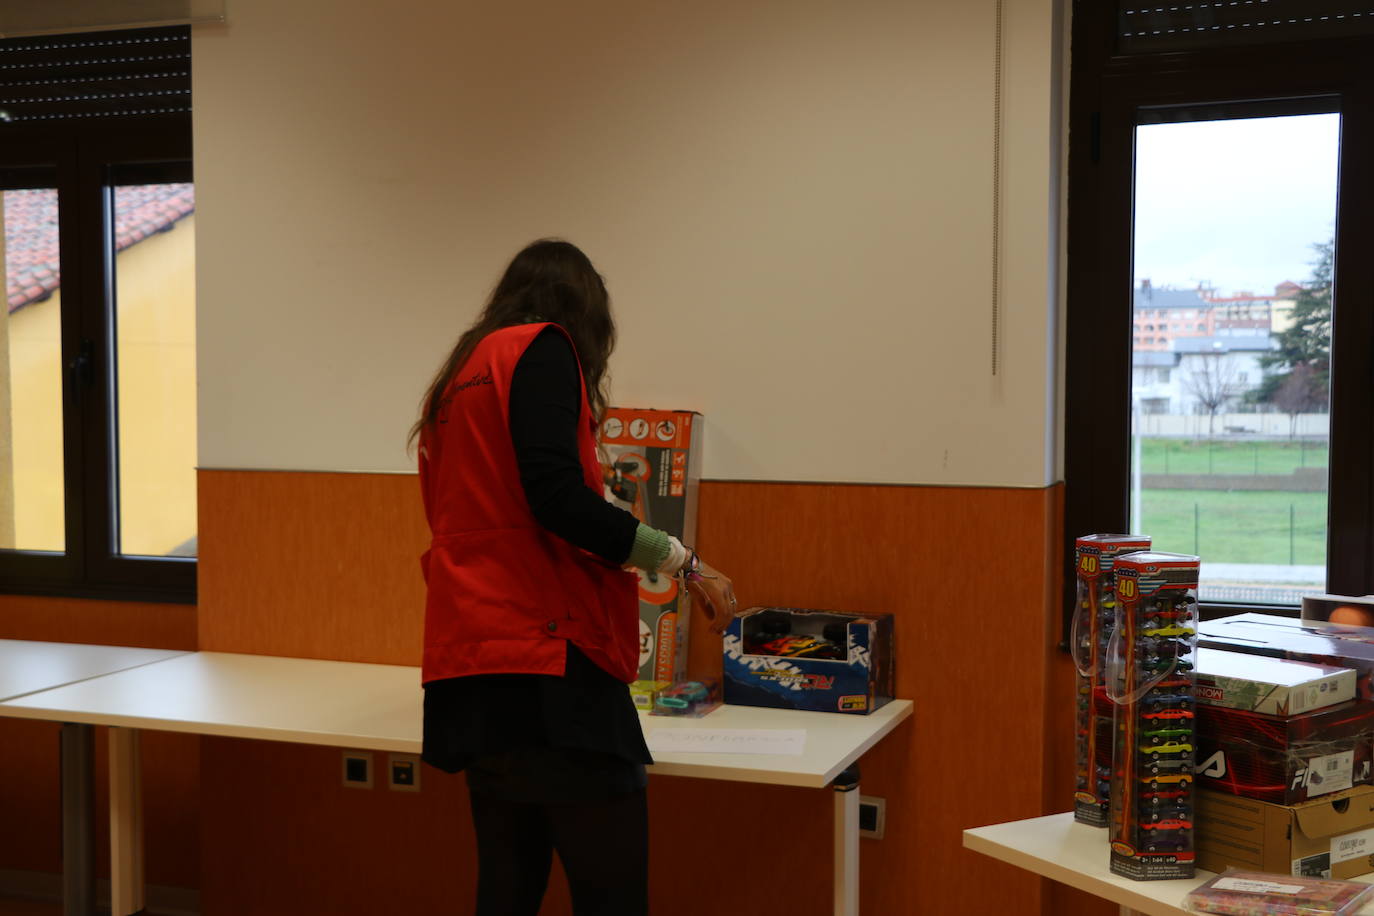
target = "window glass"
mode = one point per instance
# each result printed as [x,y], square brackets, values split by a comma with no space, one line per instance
[1234,466]
[32,500]
[155,359]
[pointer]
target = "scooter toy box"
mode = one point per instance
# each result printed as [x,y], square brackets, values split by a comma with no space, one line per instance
[651,467]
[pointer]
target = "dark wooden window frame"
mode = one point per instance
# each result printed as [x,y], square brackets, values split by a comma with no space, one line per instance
[1107,93]
[84,161]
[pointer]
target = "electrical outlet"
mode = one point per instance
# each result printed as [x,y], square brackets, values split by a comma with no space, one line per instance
[357,769]
[872,817]
[403,772]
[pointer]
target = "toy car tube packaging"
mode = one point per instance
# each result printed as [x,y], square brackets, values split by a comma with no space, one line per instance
[651,467]
[793,658]
[1149,677]
[1093,619]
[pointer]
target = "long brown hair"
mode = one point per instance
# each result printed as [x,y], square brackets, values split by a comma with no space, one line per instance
[549,280]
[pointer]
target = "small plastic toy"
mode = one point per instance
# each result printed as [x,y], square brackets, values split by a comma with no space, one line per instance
[799,647]
[1154,750]
[691,699]
[1168,779]
[1164,715]
[1173,824]
[1160,734]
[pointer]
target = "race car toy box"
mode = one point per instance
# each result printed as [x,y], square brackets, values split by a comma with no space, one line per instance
[1301,640]
[651,466]
[1284,759]
[793,658]
[1331,836]
[1094,617]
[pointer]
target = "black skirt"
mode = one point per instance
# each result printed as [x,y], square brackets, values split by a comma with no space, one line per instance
[537,738]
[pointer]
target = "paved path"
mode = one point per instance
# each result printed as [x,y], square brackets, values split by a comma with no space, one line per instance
[1264,573]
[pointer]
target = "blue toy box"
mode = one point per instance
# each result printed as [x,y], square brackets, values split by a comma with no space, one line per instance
[793,658]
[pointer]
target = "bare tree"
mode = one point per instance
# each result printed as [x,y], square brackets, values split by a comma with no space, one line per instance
[1300,392]
[1213,384]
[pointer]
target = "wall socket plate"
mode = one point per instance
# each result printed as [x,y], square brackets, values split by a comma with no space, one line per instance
[403,772]
[357,769]
[872,817]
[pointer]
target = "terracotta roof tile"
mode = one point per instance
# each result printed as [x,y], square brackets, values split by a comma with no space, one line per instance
[31,248]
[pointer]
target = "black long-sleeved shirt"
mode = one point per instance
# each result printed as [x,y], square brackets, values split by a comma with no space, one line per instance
[545,402]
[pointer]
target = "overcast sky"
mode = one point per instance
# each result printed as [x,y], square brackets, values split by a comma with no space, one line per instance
[1235,203]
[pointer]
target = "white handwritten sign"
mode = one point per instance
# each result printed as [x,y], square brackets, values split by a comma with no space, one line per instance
[789,742]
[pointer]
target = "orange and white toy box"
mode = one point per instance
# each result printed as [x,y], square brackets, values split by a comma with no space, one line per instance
[651,464]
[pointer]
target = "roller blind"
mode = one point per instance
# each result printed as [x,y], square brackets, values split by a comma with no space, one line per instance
[52,17]
[97,76]
[1147,27]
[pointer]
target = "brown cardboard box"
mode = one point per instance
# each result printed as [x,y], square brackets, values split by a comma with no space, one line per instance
[1331,836]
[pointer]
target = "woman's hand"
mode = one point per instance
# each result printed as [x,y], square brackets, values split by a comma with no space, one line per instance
[716,592]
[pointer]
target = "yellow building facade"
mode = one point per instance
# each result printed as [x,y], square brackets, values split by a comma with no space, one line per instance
[155,330]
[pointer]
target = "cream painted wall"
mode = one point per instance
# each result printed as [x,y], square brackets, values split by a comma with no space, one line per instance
[792,202]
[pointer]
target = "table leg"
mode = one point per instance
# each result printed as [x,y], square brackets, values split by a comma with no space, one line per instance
[847,842]
[78,819]
[126,823]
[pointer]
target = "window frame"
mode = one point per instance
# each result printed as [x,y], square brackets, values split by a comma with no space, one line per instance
[1107,91]
[88,160]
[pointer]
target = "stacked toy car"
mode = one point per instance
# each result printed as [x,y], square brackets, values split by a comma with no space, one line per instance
[1093,620]
[1149,675]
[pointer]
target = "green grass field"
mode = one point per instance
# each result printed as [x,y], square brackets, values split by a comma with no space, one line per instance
[1201,456]
[1242,526]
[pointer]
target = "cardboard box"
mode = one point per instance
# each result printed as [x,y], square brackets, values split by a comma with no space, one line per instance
[1284,759]
[1342,610]
[1273,686]
[651,464]
[1329,837]
[858,678]
[1302,640]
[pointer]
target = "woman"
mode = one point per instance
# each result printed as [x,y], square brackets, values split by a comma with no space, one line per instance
[531,618]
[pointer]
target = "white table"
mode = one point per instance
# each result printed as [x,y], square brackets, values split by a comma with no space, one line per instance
[1077,855]
[28,667]
[378,707]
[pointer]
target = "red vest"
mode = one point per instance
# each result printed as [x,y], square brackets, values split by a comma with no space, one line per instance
[504,593]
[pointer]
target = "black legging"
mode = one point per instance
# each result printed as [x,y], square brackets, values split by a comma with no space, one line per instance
[604,847]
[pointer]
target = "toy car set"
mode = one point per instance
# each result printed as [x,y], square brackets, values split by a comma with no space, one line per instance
[1094,617]
[1148,671]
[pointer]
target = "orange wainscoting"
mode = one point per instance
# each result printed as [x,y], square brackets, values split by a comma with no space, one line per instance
[30,806]
[325,565]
